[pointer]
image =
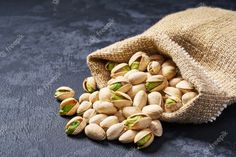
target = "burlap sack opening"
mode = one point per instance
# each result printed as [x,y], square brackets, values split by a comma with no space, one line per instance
[216,90]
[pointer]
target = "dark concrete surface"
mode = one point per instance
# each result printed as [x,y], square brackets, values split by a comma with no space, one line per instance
[44,44]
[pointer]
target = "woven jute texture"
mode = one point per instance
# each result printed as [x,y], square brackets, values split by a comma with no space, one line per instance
[201,41]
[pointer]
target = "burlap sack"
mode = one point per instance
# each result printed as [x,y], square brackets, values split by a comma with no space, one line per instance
[201,42]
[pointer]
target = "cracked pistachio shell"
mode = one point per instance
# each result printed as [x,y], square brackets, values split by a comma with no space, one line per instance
[63,93]
[120,116]
[169,72]
[138,121]
[148,75]
[140,99]
[75,125]
[137,77]
[68,107]
[89,84]
[114,131]
[155,98]
[168,63]
[144,138]
[109,121]
[120,84]
[188,97]
[128,136]
[156,128]
[104,107]
[94,97]
[135,89]
[154,67]
[126,75]
[139,61]
[172,104]
[158,58]
[95,132]
[156,83]
[89,114]
[154,111]
[84,97]
[172,91]
[185,86]
[121,100]
[97,118]
[174,81]
[84,106]
[110,65]
[120,70]
[104,94]
[128,111]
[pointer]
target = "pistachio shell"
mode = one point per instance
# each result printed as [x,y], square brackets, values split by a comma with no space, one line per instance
[105,94]
[159,82]
[154,67]
[169,72]
[155,98]
[185,86]
[120,116]
[84,97]
[94,97]
[140,99]
[104,107]
[95,132]
[158,58]
[121,100]
[135,89]
[154,111]
[141,123]
[89,84]
[126,75]
[120,84]
[110,65]
[63,93]
[141,58]
[69,102]
[137,77]
[115,131]
[109,121]
[97,118]
[89,114]
[140,135]
[156,128]
[128,136]
[172,104]
[174,81]
[84,106]
[172,91]
[128,111]
[120,70]
[168,63]
[188,97]
[79,128]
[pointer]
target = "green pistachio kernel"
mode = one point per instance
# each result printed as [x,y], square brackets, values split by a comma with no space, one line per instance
[150,85]
[144,140]
[126,68]
[132,120]
[135,65]
[116,97]
[115,86]
[72,127]
[110,65]
[170,102]
[89,88]
[66,109]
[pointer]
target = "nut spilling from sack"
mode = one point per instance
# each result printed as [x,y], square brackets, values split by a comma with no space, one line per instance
[130,106]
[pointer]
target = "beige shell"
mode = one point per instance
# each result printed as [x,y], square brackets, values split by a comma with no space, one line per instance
[63,93]
[155,98]
[174,81]
[154,111]
[89,114]
[97,118]
[137,77]
[135,89]
[71,101]
[84,106]
[128,111]
[127,101]
[168,63]
[154,67]
[91,82]
[128,136]
[172,91]
[169,72]
[188,97]
[174,107]
[118,70]
[84,97]
[105,94]
[104,107]
[126,75]
[109,121]
[94,97]
[95,132]
[140,99]
[141,135]
[80,127]
[156,128]
[144,60]
[126,85]
[158,58]
[185,86]
[115,131]
[143,123]
[158,78]
[120,115]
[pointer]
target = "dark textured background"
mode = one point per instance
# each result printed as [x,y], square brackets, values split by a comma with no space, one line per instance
[44,44]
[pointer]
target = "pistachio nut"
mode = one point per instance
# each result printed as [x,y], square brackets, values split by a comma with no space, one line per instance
[155,98]
[130,110]
[128,136]
[139,61]
[104,107]
[148,75]
[138,121]
[109,121]
[174,81]
[144,138]
[75,125]
[110,65]
[135,89]
[126,75]
[89,114]
[84,97]
[188,97]
[89,84]
[94,97]
[156,83]
[84,106]
[114,131]
[156,128]
[95,132]
[68,107]
[63,93]
[140,99]
[185,86]
[104,94]
[120,70]
[97,118]
[120,84]
[154,111]
[172,104]
[154,67]
[169,72]
[120,115]
[120,100]
[168,63]
[172,91]
[158,58]
[137,77]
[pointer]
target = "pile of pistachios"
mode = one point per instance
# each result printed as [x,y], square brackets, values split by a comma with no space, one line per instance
[130,106]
